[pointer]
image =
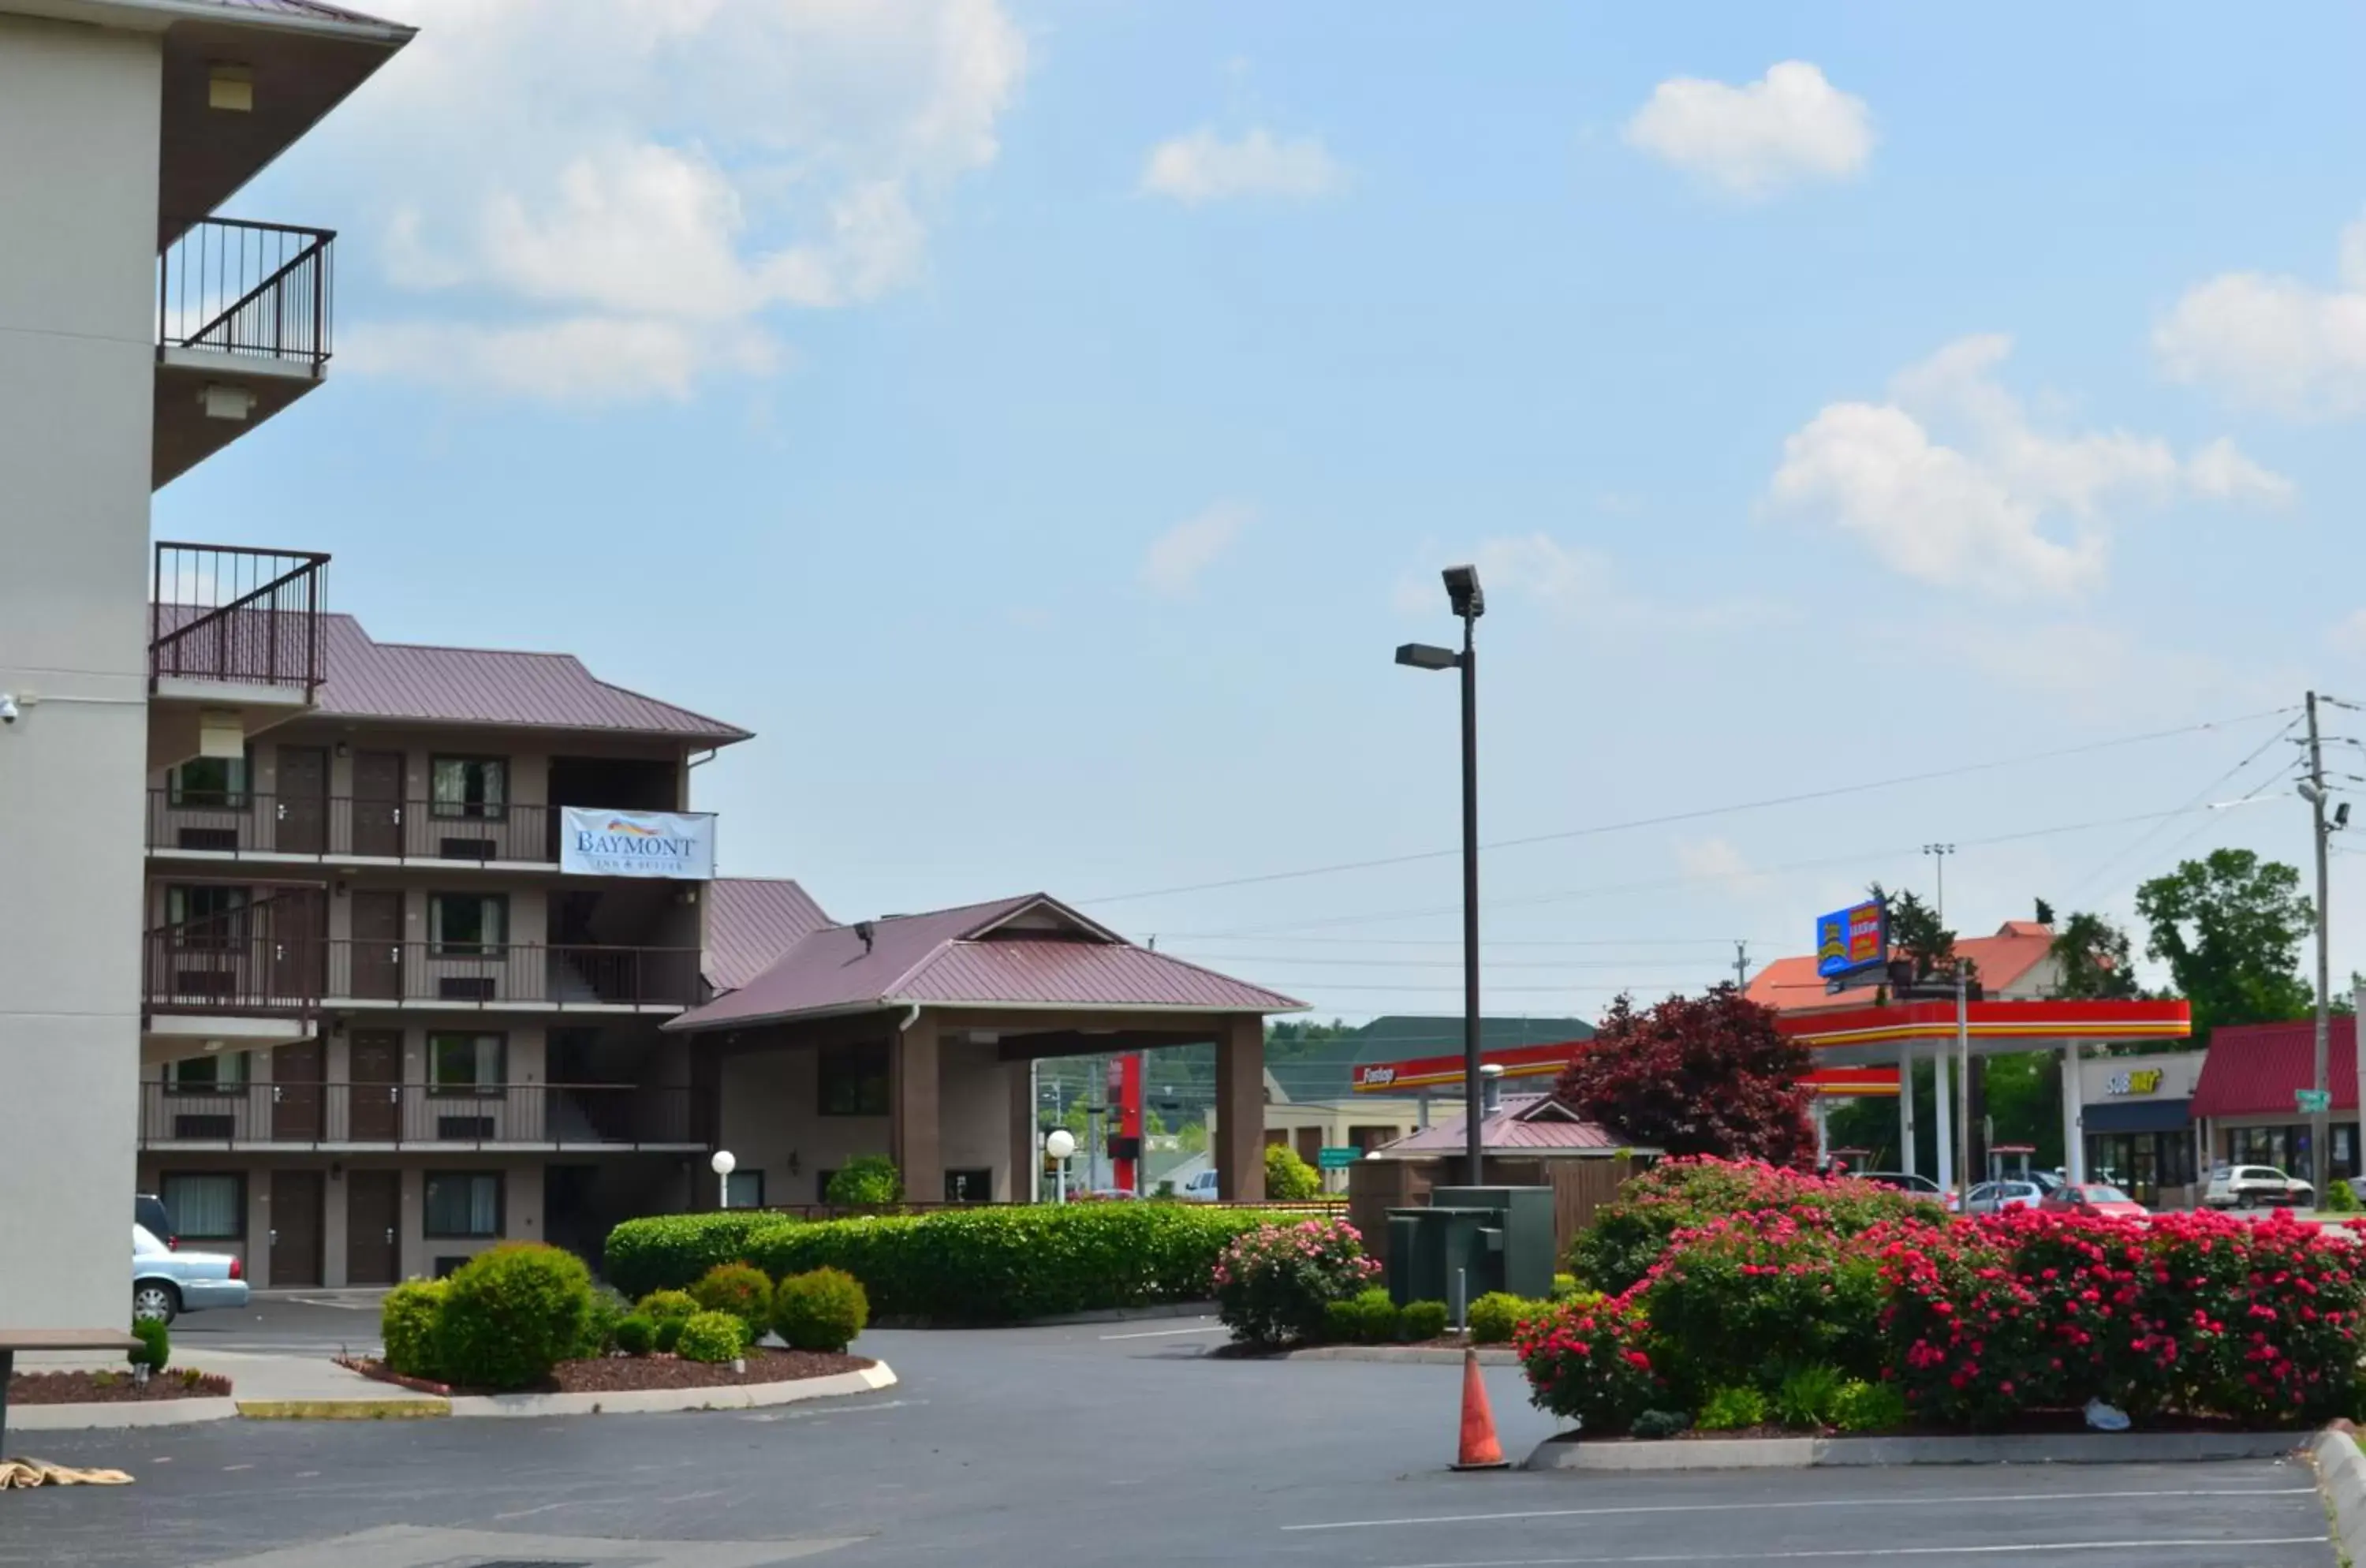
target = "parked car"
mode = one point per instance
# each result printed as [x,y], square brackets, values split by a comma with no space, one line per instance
[2249,1186]
[1903,1181]
[1995,1197]
[1199,1188]
[147,1209]
[166,1283]
[2091,1198]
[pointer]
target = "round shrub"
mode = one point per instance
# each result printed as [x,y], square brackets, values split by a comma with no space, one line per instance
[1421,1320]
[154,1351]
[1748,1297]
[1288,1178]
[513,1313]
[668,1307]
[1367,1318]
[406,1321]
[712,1337]
[636,1334]
[1273,1283]
[744,1292]
[1589,1364]
[669,1334]
[1658,1424]
[866,1179]
[1496,1315]
[823,1309]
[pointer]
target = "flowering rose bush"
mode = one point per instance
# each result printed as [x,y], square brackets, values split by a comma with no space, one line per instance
[1626,1238]
[1749,1298]
[1591,1363]
[1273,1283]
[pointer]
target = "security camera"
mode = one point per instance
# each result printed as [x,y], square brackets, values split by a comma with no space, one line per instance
[8,709]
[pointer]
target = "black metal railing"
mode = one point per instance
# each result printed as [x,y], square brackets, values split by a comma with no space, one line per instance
[442,1115]
[265,956]
[558,976]
[325,827]
[228,612]
[256,291]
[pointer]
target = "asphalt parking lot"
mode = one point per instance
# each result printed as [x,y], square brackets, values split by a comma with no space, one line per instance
[1047,1448]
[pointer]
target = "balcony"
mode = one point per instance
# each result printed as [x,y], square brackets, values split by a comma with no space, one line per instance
[386,1116]
[239,965]
[243,319]
[307,829]
[236,644]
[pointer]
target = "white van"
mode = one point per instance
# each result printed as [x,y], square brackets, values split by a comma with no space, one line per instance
[2250,1186]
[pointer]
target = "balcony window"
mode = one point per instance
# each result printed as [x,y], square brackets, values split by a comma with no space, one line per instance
[217,782]
[206,1206]
[206,916]
[463,1203]
[224,1074]
[468,1063]
[469,788]
[854,1081]
[468,925]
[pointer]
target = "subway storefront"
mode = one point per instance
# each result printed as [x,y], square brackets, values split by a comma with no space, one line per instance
[2139,1126]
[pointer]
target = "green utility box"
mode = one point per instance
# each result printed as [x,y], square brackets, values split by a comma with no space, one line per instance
[1502,1237]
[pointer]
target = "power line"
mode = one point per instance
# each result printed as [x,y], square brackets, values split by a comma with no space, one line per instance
[2080,888]
[1692,815]
[1506,942]
[1411,963]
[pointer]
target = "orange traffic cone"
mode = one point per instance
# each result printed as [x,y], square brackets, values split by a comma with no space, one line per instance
[1479,1448]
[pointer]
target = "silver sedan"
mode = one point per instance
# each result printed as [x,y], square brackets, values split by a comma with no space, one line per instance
[165,1284]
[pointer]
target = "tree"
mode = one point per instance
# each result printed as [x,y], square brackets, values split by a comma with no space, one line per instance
[1916,935]
[2229,927]
[1696,1076]
[1287,1178]
[2091,955]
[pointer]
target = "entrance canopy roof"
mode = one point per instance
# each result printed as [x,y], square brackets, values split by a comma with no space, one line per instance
[1850,1037]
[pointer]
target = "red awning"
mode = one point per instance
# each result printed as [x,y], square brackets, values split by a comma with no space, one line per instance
[2253,1069]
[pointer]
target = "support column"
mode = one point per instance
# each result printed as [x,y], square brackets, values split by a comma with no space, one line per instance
[1942,1105]
[1020,1186]
[1238,1136]
[1906,1109]
[2074,1141]
[913,1132]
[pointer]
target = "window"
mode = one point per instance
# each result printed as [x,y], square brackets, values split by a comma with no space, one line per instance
[970,1184]
[222,1074]
[205,916]
[469,786]
[208,781]
[744,1189]
[464,1203]
[467,1064]
[854,1081]
[468,925]
[206,1207]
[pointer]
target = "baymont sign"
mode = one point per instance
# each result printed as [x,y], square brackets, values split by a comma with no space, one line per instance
[594,842]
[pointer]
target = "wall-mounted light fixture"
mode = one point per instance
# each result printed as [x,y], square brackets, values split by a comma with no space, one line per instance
[221,401]
[231,89]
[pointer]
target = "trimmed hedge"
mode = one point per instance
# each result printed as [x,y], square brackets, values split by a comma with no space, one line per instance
[993,1264]
[673,1251]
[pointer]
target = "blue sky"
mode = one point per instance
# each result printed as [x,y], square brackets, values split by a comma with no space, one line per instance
[1039,420]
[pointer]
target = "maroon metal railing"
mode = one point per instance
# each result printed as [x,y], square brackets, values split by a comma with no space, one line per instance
[324,827]
[442,1115]
[263,957]
[228,613]
[258,290]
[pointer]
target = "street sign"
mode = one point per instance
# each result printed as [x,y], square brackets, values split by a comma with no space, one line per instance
[2312,1100]
[1336,1159]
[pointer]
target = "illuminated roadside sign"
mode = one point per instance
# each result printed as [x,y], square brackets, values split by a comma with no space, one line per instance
[1853,940]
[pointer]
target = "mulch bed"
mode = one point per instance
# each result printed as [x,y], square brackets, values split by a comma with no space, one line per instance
[2031,1424]
[112,1388]
[624,1374]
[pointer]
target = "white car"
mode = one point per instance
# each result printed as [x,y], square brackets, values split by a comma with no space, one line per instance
[1995,1197]
[2249,1186]
[1199,1188]
[165,1284]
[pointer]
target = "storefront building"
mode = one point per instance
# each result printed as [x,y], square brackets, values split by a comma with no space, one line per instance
[2248,1098]
[2137,1125]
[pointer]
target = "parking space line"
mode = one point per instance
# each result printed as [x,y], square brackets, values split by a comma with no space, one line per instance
[1833,1554]
[1809,1503]
[1166,1332]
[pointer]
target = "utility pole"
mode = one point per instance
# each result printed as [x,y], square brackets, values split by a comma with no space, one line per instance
[2320,1140]
[1741,966]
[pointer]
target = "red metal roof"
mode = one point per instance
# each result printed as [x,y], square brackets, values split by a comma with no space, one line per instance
[1521,1123]
[750,921]
[2253,1068]
[2004,960]
[1024,951]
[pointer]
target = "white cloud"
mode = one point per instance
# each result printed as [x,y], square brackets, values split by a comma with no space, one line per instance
[2275,343]
[586,360]
[1203,167]
[1716,860]
[664,176]
[1988,502]
[1178,557]
[1789,127]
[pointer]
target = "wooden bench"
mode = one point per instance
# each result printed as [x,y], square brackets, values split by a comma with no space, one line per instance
[15,1340]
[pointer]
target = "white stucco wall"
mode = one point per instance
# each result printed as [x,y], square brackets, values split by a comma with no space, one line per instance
[79,132]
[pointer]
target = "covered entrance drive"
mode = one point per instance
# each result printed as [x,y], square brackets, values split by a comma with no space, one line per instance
[912,1036]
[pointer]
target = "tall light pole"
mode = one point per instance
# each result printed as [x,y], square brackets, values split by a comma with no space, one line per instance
[2311,789]
[1939,854]
[1464,593]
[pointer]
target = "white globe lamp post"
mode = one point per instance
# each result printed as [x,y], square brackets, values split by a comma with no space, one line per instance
[723,1164]
[1060,1144]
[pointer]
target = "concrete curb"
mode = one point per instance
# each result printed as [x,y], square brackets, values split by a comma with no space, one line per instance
[103,1415]
[650,1401]
[2341,1477]
[1808,1453]
[416,1407]
[1426,1355]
